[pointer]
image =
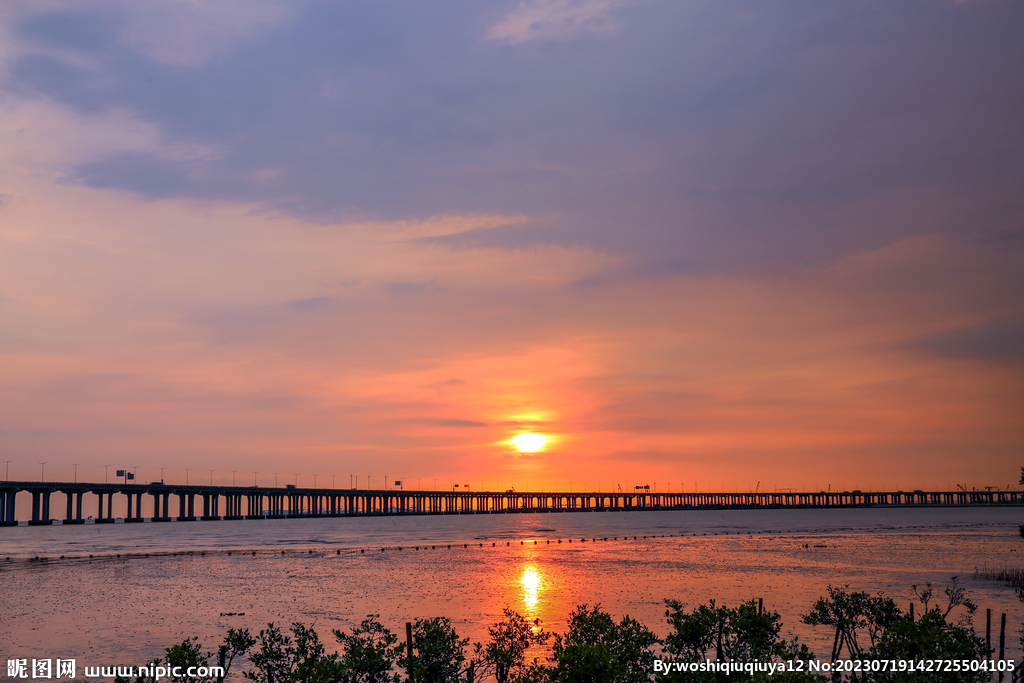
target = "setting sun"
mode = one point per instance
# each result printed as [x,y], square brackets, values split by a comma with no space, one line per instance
[529,443]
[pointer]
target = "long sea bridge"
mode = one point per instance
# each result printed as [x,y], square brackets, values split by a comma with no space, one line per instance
[208,503]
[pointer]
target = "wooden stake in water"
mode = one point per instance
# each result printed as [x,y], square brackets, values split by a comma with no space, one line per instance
[988,630]
[408,645]
[1002,643]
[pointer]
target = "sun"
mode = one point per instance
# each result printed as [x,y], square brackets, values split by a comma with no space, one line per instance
[529,443]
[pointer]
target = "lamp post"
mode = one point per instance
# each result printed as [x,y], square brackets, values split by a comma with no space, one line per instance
[106,468]
[275,479]
[254,478]
[233,477]
[42,470]
[211,477]
[314,481]
[186,475]
[7,474]
[162,474]
[76,471]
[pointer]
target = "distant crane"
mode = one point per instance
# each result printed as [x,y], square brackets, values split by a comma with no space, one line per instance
[757,488]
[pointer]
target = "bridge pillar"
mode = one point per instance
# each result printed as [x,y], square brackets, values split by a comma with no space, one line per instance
[161,501]
[12,494]
[210,511]
[109,519]
[7,507]
[255,506]
[137,517]
[186,506]
[74,511]
[40,508]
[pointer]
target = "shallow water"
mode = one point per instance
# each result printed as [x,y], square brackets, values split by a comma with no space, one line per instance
[109,610]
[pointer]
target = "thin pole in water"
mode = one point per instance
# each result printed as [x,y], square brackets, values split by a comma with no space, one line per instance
[1002,643]
[408,645]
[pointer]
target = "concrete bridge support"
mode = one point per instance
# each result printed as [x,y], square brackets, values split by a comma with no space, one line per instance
[186,506]
[161,506]
[74,512]
[7,507]
[40,508]
[100,517]
[210,507]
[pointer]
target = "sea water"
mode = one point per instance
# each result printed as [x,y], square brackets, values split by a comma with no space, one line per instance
[202,578]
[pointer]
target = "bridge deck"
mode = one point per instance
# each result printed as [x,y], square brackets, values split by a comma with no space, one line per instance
[251,502]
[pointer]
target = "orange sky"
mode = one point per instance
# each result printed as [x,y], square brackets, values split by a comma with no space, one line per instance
[846,313]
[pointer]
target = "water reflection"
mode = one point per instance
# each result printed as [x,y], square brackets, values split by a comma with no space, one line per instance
[531,582]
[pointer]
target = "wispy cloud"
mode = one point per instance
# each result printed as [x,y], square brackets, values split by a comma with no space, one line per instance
[553,19]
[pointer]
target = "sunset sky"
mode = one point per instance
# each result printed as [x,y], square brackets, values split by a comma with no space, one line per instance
[723,244]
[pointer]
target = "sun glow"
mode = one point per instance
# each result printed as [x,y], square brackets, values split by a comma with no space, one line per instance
[529,443]
[531,586]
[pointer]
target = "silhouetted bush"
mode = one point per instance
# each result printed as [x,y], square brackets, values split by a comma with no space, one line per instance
[596,649]
[892,635]
[439,654]
[369,653]
[299,659]
[505,654]
[741,634]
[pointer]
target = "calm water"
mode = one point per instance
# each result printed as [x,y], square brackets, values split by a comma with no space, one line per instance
[110,610]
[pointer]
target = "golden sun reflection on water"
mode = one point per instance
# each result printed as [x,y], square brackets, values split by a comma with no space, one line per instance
[531,582]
